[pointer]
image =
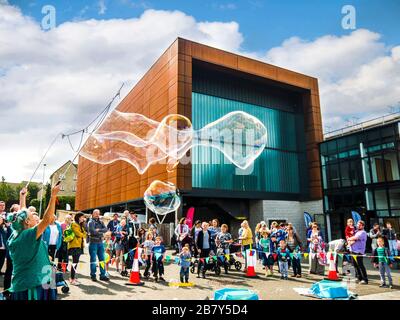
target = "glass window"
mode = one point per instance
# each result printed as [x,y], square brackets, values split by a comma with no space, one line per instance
[332,147]
[381,200]
[382,213]
[343,155]
[341,144]
[366,170]
[369,199]
[354,152]
[391,166]
[333,177]
[395,213]
[377,167]
[345,172]
[356,172]
[394,196]
[332,158]
[387,131]
[352,140]
[373,135]
[324,182]
[324,148]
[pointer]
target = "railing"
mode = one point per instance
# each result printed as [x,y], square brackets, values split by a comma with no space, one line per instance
[363,125]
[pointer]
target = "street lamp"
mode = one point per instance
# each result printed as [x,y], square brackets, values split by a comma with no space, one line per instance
[41,194]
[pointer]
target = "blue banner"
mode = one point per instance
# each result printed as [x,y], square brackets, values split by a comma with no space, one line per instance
[307,219]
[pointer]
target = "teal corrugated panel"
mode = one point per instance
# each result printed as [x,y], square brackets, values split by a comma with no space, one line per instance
[274,170]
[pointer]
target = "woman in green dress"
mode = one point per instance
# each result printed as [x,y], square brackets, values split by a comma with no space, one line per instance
[33,276]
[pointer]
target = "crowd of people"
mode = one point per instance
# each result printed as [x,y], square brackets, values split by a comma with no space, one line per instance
[30,246]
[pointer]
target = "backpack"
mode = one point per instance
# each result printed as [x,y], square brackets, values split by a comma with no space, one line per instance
[69,234]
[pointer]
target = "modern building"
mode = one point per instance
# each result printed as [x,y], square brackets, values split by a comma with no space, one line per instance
[68,178]
[204,83]
[360,172]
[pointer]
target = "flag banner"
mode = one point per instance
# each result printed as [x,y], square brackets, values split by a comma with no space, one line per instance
[190,217]
[356,217]
[307,219]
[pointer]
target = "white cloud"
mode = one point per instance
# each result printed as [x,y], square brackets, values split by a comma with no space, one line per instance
[102,7]
[358,74]
[60,79]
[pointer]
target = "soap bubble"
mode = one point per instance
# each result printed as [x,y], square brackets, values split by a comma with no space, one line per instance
[161,197]
[240,136]
[140,141]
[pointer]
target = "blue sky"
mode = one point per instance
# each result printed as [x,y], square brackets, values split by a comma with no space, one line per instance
[264,24]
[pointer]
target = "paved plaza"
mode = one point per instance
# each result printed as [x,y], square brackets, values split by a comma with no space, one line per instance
[271,288]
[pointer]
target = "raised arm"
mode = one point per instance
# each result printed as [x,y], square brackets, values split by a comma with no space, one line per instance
[22,198]
[48,216]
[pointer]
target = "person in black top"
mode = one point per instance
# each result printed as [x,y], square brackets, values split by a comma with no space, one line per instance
[203,243]
[112,226]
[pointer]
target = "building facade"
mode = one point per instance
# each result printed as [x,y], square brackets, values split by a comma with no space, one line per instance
[203,84]
[68,179]
[360,172]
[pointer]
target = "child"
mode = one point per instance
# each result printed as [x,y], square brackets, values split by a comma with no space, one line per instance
[381,261]
[147,245]
[184,262]
[108,246]
[280,233]
[158,257]
[267,247]
[223,241]
[283,257]
[390,234]
[349,232]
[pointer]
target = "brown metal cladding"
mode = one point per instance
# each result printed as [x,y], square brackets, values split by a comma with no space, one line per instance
[167,88]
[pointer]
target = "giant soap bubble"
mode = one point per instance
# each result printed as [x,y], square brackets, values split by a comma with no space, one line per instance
[162,197]
[140,141]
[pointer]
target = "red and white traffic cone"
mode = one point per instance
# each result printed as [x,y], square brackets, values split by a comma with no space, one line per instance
[134,278]
[251,261]
[332,273]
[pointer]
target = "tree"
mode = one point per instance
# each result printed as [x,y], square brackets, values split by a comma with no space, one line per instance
[35,203]
[63,200]
[7,192]
[33,190]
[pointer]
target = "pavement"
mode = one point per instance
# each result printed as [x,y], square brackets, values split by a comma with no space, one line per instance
[271,288]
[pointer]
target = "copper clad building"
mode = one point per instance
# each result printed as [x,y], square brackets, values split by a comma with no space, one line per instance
[204,83]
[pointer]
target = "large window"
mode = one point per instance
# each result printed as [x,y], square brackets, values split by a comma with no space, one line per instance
[280,168]
[361,158]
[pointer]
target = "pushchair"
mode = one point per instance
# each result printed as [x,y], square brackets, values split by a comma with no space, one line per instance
[193,265]
[212,265]
[234,248]
[59,280]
